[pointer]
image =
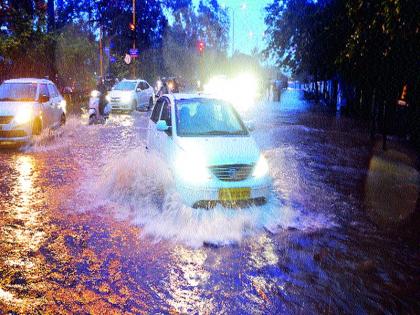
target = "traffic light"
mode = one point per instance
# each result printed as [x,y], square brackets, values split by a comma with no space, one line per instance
[132,29]
[201,46]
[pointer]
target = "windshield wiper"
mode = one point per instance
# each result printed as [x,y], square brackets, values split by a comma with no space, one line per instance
[221,133]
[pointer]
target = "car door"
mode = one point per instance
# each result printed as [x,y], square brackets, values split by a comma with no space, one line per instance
[62,103]
[163,138]
[55,104]
[152,133]
[144,95]
[47,110]
[138,94]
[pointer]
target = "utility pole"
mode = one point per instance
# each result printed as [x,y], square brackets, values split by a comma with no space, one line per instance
[101,56]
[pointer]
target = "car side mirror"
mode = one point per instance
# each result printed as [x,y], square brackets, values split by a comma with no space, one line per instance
[44,98]
[162,125]
[250,126]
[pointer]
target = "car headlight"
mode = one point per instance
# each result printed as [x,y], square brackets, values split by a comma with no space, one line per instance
[95,93]
[63,105]
[126,98]
[23,117]
[108,98]
[191,168]
[261,169]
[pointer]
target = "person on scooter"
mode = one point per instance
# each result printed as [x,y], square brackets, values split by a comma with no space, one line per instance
[101,87]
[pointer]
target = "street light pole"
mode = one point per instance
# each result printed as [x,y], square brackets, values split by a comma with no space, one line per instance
[134,38]
[233,32]
[242,7]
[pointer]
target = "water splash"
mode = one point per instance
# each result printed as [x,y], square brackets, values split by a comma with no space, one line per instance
[139,188]
[61,137]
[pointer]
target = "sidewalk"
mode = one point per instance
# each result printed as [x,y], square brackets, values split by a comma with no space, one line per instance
[392,184]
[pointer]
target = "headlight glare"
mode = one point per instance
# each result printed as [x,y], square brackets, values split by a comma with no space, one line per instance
[261,168]
[23,117]
[191,168]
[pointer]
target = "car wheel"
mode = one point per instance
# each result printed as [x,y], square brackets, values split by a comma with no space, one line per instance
[92,119]
[63,119]
[37,127]
[150,104]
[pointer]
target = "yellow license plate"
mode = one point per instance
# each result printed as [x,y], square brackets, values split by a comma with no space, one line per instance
[234,194]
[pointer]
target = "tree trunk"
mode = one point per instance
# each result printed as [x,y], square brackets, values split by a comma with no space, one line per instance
[373,116]
[384,125]
[316,86]
[334,93]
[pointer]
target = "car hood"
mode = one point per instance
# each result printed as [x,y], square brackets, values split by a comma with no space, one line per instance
[221,150]
[119,93]
[11,108]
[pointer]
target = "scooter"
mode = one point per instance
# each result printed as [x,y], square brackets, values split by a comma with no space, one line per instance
[94,114]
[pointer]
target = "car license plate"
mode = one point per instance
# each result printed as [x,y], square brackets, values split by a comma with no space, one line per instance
[234,194]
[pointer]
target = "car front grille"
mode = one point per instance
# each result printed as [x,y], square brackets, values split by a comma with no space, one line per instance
[12,134]
[115,99]
[210,204]
[4,120]
[232,173]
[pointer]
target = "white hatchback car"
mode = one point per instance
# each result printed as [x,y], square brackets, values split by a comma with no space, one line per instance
[27,106]
[130,95]
[211,153]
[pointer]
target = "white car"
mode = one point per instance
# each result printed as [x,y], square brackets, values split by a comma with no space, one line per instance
[130,95]
[27,106]
[210,151]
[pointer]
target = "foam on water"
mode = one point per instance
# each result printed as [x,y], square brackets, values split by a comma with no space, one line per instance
[139,188]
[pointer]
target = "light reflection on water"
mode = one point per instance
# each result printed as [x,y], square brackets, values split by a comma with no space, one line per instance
[24,232]
[25,235]
[186,279]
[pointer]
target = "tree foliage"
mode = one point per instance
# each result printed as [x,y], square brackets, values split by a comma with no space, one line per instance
[35,40]
[367,43]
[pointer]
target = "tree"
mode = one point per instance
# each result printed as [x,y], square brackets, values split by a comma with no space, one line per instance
[25,44]
[76,56]
[371,45]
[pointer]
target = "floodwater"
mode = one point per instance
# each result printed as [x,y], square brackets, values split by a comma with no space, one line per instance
[90,223]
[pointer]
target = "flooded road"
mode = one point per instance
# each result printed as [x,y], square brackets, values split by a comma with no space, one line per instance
[89,223]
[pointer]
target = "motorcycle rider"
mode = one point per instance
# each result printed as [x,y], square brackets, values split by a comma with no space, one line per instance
[101,87]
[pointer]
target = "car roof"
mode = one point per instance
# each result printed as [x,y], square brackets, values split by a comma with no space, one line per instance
[28,80]
[173,97]
[187,96]
[132,80]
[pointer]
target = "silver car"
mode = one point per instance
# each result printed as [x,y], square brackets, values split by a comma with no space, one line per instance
[27,106]
[130,95]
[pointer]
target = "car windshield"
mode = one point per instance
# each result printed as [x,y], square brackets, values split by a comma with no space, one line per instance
[207,117]
[14,92]
[125,86]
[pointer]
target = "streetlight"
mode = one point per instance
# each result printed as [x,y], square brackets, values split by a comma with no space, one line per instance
[243,6]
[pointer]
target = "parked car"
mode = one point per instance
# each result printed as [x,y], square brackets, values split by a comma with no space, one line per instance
[130,95]
[210,151]
[27,106]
